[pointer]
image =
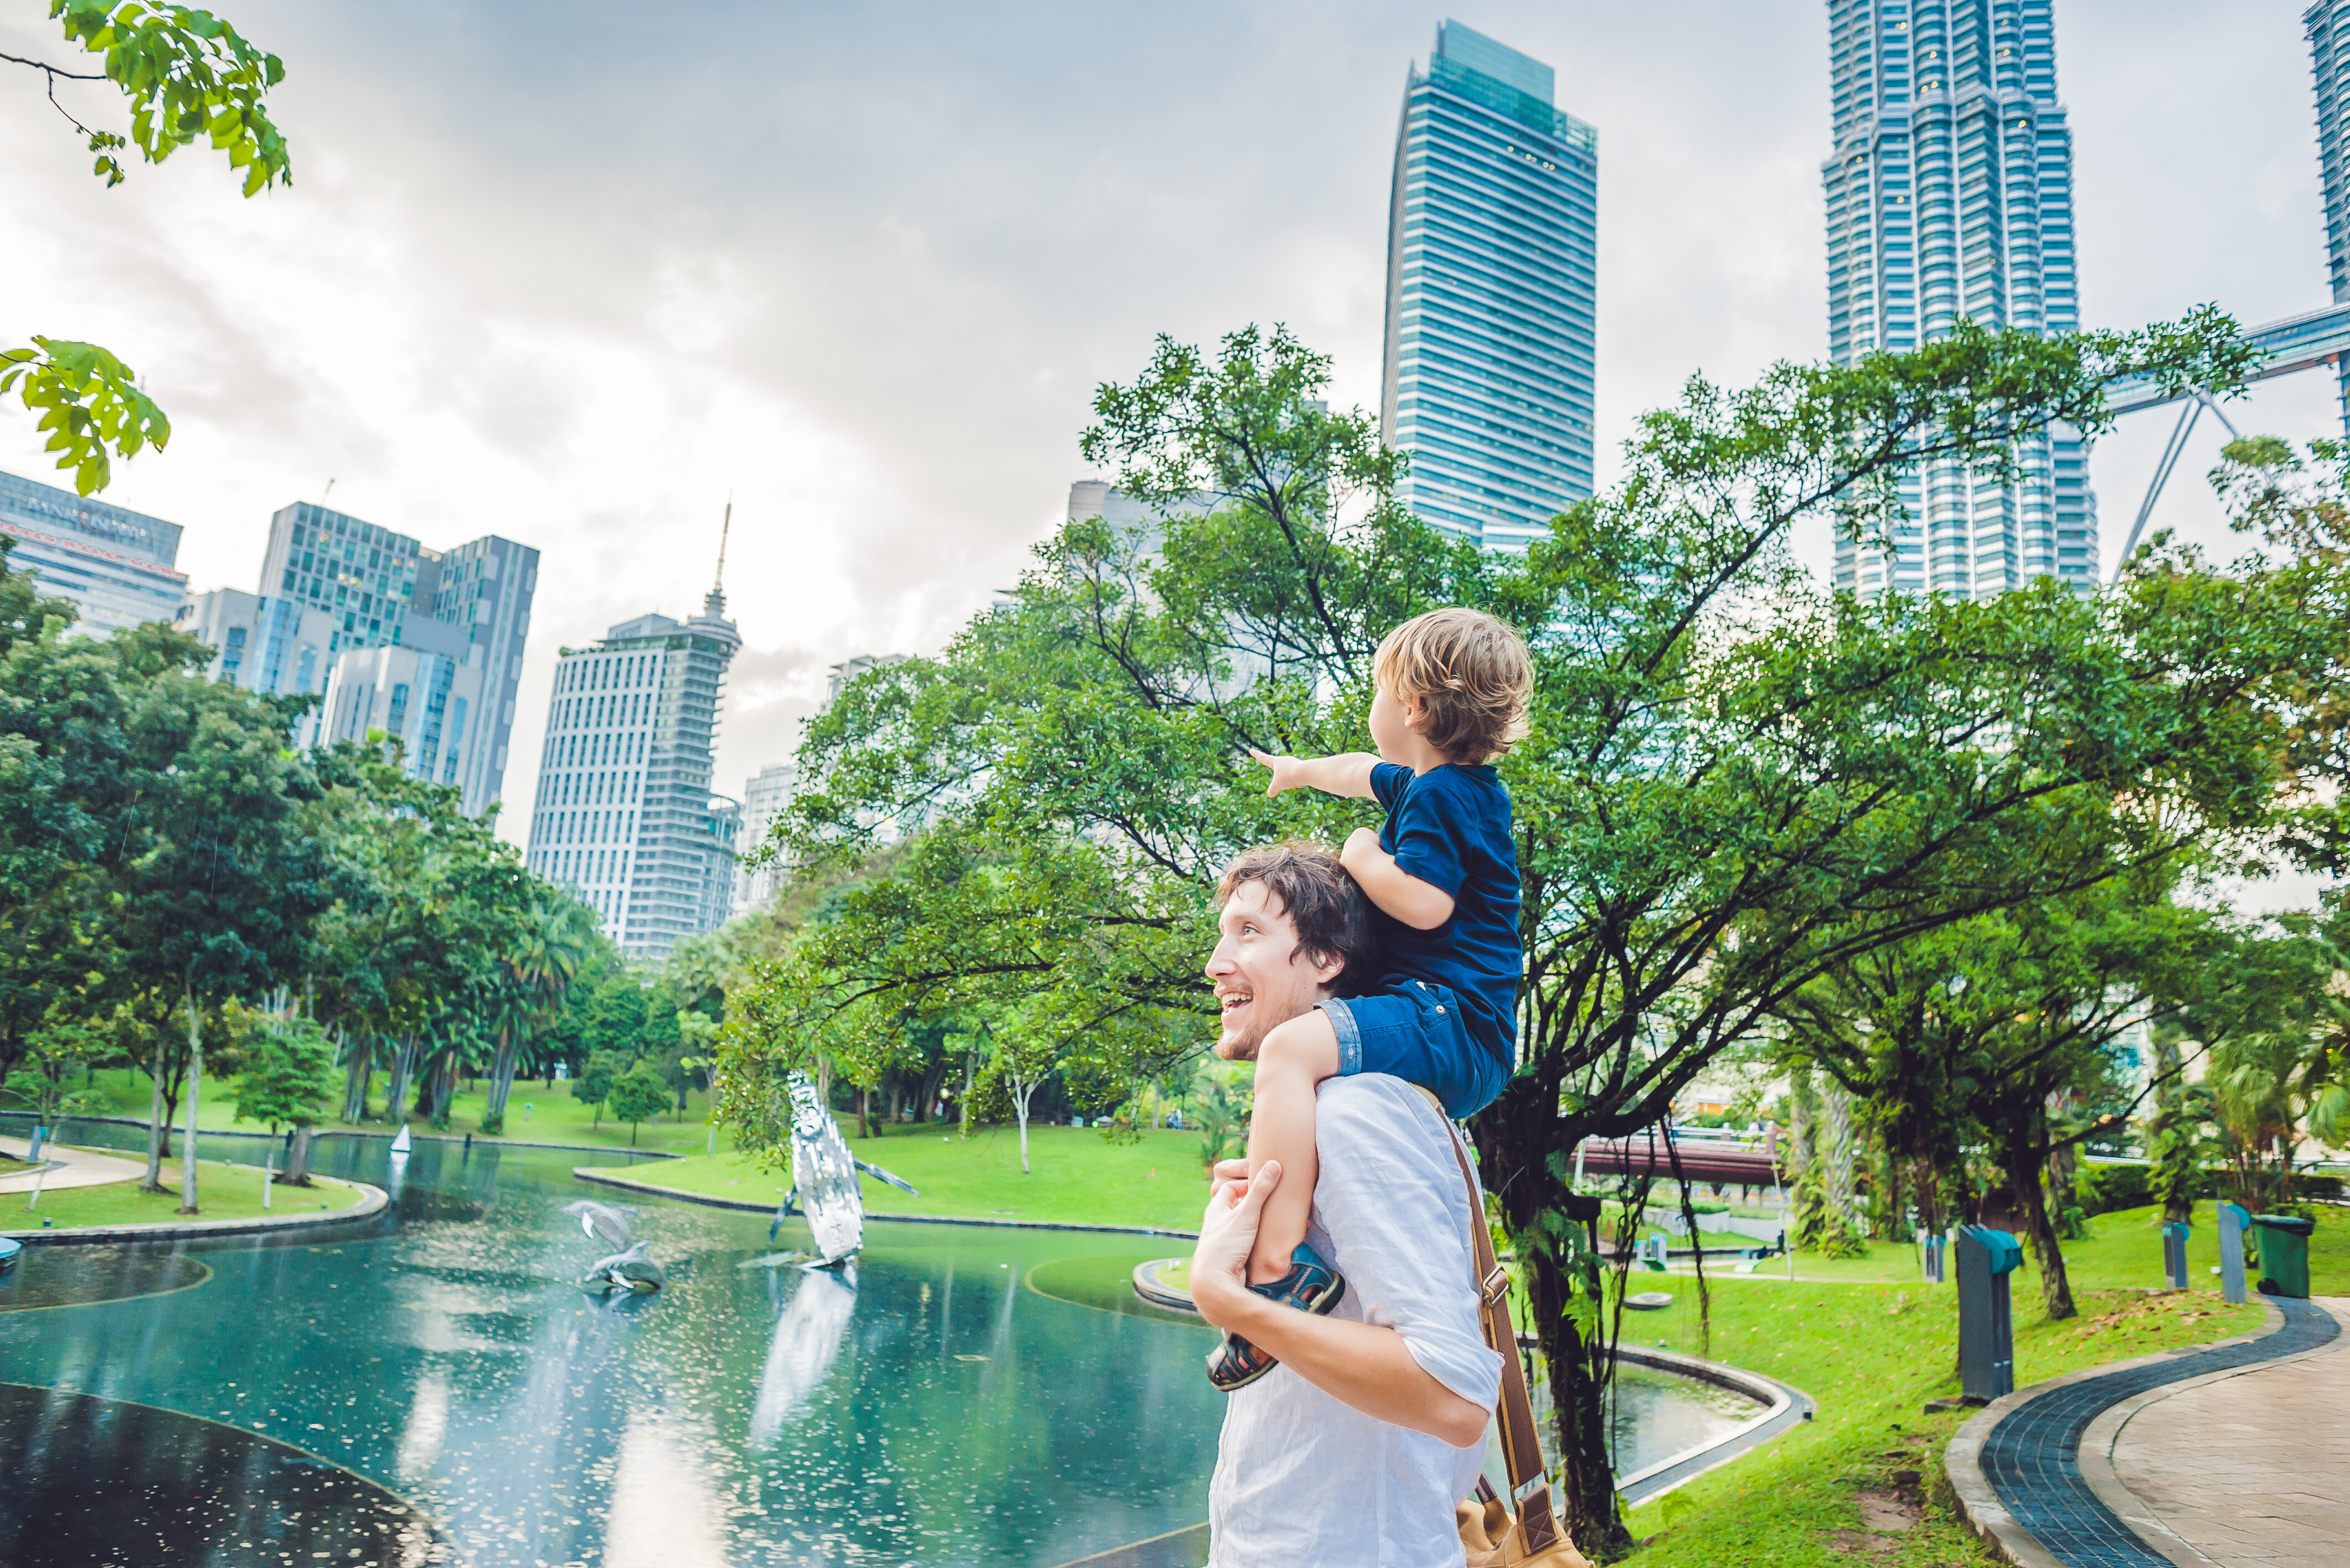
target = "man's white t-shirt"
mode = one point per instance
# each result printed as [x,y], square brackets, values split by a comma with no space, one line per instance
[1301,1478]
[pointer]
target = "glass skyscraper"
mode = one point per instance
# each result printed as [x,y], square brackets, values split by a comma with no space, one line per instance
[2327,24]
[1949,198]
[1492,274]
[625,815]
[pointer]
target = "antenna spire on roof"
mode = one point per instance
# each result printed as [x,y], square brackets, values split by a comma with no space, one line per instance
[715,605]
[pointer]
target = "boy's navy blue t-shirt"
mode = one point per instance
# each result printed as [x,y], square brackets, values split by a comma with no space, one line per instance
[1449,827]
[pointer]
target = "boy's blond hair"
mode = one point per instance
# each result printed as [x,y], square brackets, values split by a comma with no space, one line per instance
[1470,672]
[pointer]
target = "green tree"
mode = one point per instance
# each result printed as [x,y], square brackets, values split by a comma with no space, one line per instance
[592,1084]
[638,1094]
[288,1076]
[1728,765]
[186,74]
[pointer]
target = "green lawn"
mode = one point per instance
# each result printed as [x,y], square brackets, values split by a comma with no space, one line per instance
[1076,1176]
[534,1114]
[2122,1251]
[1872,1356]
[224,1192]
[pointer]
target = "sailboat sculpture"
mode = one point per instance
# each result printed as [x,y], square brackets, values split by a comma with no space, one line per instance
[823,1179]
[400,1144]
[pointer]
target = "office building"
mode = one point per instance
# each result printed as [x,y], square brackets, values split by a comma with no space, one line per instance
[426,701]
[1493,267]
[624,813]
[333,585]
[117,566]
[273,646]
[765,798]
[1949,198]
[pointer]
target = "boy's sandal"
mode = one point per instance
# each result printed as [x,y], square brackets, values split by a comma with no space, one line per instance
[1311,1285]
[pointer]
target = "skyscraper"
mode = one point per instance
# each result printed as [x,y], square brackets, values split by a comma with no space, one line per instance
[117,566]
[765,798]
[2327,24]
[624,813]
[1493,263]
[333,582]
[1949,198]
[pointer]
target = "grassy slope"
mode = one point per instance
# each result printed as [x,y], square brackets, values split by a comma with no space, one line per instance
[1076,1176]
[224,1192]
[1872,1356]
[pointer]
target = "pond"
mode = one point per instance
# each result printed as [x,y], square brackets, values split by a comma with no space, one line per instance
[440,1389]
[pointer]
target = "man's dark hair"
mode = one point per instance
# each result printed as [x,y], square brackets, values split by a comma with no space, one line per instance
[1332,916]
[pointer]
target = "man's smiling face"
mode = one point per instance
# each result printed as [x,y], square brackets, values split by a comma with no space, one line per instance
[1262,980]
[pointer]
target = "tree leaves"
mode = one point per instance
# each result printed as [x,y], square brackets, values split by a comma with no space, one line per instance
[188,76]
[89,402]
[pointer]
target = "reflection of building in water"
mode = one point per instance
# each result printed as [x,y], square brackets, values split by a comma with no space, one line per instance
[800,1354]
[114,564]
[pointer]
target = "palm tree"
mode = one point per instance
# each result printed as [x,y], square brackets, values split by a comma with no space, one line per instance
[559,937]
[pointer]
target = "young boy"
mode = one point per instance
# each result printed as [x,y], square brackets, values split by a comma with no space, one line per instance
[1443,874]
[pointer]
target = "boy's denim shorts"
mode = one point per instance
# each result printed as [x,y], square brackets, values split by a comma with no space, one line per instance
[1416,1032]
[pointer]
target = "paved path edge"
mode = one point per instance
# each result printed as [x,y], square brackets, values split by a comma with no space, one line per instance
[1979,1504]
[372,1202]
[602,1176]
[2101,1437]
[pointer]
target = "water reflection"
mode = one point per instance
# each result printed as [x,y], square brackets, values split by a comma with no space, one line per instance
[806,1343]
[934,1411]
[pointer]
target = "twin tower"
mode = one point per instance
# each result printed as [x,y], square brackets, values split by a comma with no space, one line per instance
[1950,196]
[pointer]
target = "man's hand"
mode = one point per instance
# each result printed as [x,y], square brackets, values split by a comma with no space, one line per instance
[1227,1235]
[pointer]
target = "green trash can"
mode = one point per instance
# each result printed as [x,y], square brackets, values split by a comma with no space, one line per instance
[2285,1254]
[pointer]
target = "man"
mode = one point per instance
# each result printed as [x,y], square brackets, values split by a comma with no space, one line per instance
[1354,1449]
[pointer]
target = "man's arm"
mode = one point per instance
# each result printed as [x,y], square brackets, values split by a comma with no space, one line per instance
[1348,773]
[1422,906]
[1369,1368]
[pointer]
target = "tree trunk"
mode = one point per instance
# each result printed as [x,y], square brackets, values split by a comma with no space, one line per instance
[157,1128]
[864,1112]
[1020,1093]
[2024,1164]
[502,1072]
[404,1063]
[188,1204]
[297,1163]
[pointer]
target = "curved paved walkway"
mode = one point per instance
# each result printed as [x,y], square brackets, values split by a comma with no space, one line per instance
[2241,1467]
[68,1168]
[2029,1450]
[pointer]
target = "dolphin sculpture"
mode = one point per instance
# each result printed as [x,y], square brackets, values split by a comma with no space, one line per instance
[824,1180]
[632,1270]
[605,1223]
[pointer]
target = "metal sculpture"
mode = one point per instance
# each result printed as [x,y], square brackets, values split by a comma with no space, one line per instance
[632,1270]
[824,1180]
[605,1223]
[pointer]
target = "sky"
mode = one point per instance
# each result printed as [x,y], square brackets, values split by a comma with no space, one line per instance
[579,273]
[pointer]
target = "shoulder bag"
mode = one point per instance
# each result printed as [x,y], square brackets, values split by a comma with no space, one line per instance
[1519,1532]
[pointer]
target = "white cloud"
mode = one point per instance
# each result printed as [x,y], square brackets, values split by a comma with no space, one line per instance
[573,273]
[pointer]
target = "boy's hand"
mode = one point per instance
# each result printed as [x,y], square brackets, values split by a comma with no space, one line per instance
[1288,773]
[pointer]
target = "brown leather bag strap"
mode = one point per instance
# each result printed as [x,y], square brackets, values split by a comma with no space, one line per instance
[1521,1444]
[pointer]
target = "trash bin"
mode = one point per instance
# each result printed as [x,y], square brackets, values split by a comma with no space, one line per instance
[2285,1254]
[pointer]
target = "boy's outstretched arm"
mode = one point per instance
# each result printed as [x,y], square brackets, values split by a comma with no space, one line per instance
[1348,773]
[1422,906]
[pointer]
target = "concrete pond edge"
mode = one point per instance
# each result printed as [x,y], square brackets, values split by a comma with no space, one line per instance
[1980,1506]
[372,1202]
[602,1176]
